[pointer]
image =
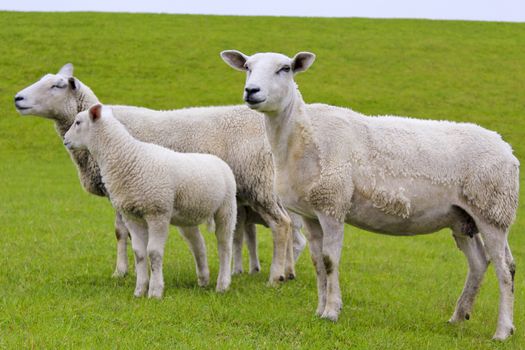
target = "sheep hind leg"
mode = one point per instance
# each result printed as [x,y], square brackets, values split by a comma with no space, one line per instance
[497,248]
[158,228]
[194,238]
[121,233]
[238,237]
[251,243]
[315,238]
[225,223]
[299,241]
[474,251]
[139,241]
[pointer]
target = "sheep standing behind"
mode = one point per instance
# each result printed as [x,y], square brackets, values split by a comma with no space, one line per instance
[152,187]
[390,175]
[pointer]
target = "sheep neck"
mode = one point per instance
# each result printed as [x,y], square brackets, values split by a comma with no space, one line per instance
[115,151]
[84,99]
[288,129]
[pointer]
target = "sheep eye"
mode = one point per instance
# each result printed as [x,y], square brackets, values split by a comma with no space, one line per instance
[285,69]
[77,122]
[58,86]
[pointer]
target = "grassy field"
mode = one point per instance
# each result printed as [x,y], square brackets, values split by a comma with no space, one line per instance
[57,247]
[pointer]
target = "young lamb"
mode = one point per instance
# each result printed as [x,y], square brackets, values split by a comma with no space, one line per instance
[152,187]
[391,175]
[233,133]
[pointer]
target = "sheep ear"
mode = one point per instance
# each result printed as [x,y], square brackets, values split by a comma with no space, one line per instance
[302,61]
[235,59]
[66,70]
[95,112]
[73,83]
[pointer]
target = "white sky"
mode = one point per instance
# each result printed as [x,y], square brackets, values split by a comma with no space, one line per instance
[488,10]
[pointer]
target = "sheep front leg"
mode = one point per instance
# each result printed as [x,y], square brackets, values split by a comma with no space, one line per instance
[193,236]
[121,233]
[139,241]
[333,232]
[158,228]
[315,238]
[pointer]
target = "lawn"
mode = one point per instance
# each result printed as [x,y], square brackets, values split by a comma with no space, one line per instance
[57,247]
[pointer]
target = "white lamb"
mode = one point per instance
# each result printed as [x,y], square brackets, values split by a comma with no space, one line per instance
[233,133]
[152,187]
[390,175]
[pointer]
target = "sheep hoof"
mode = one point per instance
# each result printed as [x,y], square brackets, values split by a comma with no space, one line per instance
[291,276]
[255,269]
[203,281]
[503,334]
[281,278]
[237,271]
[119,274]
[331,315]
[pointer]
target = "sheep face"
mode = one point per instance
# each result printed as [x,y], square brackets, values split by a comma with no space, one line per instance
[270,82]
[49,96]
[79,134]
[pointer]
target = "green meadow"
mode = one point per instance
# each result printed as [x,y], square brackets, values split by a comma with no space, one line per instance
[57,246]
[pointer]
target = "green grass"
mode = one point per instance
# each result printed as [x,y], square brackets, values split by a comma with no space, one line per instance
[57,248]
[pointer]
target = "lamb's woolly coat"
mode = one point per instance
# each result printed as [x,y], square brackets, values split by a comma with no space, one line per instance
[145,179]
[154,186]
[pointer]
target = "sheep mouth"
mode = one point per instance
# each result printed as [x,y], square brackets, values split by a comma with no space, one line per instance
[253,102]
[20,108]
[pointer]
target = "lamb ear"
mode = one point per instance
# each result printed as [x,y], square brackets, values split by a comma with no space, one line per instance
[73,83]
[235,59]
[302,61]
[66,70]
[95,112]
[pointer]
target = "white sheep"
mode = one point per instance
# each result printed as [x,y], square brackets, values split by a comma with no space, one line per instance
[152,187]
[391,175]
[233,133]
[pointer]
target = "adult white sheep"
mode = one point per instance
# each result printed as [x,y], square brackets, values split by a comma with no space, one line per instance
[390,175]
[233,133]
[152,187]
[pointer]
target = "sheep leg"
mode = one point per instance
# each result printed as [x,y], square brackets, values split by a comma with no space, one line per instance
[139,241]
[122,233]
[299,241]
[238,236]
[251,242]
[333,233]
[499,253]
[225,223]
[158,228]
[474,251]
[194,238]
[315,238]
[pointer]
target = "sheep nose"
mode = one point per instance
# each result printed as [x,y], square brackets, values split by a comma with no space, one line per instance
[18,98]
[251,89]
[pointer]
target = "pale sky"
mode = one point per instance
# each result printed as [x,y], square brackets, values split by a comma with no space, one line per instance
[486,10]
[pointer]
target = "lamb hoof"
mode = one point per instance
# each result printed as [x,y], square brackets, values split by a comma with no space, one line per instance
[281,278]
[155,295]
[458,318]
[221,288]
[502,335]
[255,270]
[139,293]
[203,281]
[319,312]
[119,273]
[331,315]
[291,276]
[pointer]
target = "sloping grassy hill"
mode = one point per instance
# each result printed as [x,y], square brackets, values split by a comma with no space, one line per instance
[57,248]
